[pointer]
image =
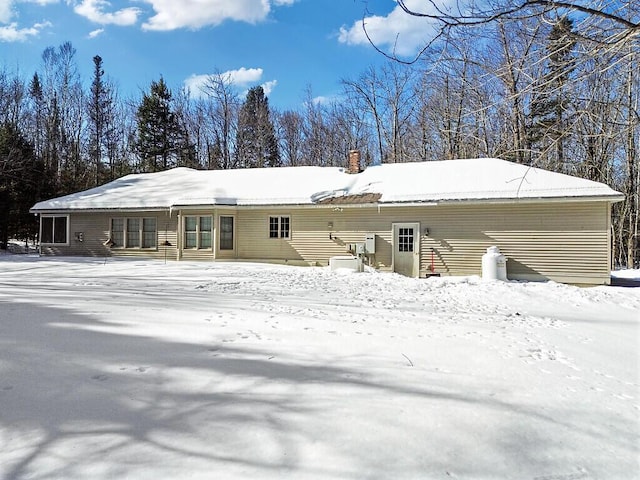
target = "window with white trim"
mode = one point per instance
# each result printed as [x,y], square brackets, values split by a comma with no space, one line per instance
[279,227]
[134,232]
[198,232]
[149,232]
[54,230]
[226,232]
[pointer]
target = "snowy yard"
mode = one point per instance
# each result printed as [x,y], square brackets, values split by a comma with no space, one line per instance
[146,370]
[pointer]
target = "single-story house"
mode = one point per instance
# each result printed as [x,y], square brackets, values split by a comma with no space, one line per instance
[418,219]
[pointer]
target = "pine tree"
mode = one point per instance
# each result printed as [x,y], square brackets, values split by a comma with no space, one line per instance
[38,114]
[162,143]
[256,142]
[99,107]
[21,184]
[551,102]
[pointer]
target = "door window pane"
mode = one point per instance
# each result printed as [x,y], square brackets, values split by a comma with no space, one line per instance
[405,239]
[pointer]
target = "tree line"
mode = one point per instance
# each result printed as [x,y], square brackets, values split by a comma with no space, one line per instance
[530,89]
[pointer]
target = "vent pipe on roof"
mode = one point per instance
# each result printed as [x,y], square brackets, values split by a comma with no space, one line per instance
[354,161]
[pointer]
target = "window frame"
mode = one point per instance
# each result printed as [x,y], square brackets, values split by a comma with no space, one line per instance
[406,239]
[125,232]
[53,229]
[222,246]
[277,230]
[154,233]
[197,233]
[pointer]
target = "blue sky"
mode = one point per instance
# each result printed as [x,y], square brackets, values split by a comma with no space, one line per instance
[284,45]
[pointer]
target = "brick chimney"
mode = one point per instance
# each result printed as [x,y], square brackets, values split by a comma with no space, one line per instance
[354,161]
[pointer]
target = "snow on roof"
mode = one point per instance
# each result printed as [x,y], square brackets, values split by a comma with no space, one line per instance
[450,180]
[473,179]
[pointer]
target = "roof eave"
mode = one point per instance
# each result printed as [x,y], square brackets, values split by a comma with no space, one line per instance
[49,211]
[393,203]
[497,200]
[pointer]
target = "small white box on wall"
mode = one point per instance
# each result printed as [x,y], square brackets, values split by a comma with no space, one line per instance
[370,243]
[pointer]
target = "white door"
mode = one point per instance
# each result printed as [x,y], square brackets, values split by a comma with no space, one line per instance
[406,249]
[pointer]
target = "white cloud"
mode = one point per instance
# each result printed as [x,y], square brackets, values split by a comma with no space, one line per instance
[269,86]
[6,11]
[94,11]
[399,32]
[241,79]
[323,100]
[95,33]
[195,85]
[11,32]
[243,76]
[194,14]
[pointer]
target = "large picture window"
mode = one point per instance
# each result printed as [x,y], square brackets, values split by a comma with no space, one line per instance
[54,230]
[197,232]
[279,227]
[134,232]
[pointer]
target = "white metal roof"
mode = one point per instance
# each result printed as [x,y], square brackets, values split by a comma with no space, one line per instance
[451,180]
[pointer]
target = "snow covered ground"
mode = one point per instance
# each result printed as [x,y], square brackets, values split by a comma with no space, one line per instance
[145,370]
[632,274]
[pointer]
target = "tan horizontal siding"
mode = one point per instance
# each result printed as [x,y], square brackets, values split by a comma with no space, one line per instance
[554,241]
[200,254]
[541,240]
[96,231]
[558,241]
[310,240]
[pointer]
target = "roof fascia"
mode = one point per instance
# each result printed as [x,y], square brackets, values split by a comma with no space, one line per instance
[583,199]
[49,211]
[427,203]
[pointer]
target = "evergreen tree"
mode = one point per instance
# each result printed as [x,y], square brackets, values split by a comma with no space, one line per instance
[21,184]
[37,114]
[552,101]
[256,142]
[99,107]
[162,142]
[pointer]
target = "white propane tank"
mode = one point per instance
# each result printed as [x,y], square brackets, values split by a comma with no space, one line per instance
[494,265]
